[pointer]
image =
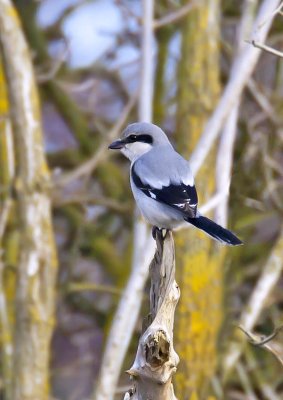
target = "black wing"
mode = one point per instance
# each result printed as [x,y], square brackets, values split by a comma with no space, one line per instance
[179,196]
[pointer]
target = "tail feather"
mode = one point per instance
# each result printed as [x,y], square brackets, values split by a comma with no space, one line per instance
[214,230]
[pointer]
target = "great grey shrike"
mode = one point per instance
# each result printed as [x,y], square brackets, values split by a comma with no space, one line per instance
[162,182]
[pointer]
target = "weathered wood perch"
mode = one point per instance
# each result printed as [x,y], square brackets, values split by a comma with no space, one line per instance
[156,360]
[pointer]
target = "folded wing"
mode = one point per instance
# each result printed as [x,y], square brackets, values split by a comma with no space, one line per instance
[179,195]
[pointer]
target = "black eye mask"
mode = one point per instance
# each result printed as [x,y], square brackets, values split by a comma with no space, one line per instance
[139,138]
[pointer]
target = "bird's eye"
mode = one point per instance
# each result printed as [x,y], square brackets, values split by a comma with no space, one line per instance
[133,138]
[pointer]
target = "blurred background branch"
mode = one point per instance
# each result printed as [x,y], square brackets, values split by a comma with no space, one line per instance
[143,246]
[224,160]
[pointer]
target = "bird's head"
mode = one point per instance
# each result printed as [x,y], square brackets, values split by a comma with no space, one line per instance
[139,138]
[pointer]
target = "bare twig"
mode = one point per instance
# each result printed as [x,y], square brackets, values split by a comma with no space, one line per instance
[89,198]
[175,16]
[269,17]
[128,11]
[260,341]
[263,101]
[266,48]
[43,77]
[244,64]
[171,18]
[266,342]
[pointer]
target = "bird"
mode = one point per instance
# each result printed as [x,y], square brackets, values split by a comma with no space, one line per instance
[163,184]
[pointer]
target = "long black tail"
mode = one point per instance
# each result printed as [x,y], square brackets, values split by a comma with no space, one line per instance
[214,230]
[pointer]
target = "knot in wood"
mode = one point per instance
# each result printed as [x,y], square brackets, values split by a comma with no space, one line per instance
[157,349]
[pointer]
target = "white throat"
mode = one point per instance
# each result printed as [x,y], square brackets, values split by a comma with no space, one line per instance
[134,150]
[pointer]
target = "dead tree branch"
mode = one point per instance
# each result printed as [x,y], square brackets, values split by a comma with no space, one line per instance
[156,360]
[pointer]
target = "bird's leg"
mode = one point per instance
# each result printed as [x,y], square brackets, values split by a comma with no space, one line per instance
[164,232]
[154,231]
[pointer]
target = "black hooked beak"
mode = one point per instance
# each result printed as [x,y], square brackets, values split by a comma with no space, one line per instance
[118,144]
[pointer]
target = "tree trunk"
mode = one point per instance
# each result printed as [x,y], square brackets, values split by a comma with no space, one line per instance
[7,286]
[199,258]
[36,274]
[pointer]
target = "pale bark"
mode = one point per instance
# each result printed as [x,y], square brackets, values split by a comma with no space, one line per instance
[146,87]
[224,165]
[36,274]
[156,360]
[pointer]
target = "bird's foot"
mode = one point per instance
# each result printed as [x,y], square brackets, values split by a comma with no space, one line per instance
[156,230]
[164,233]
